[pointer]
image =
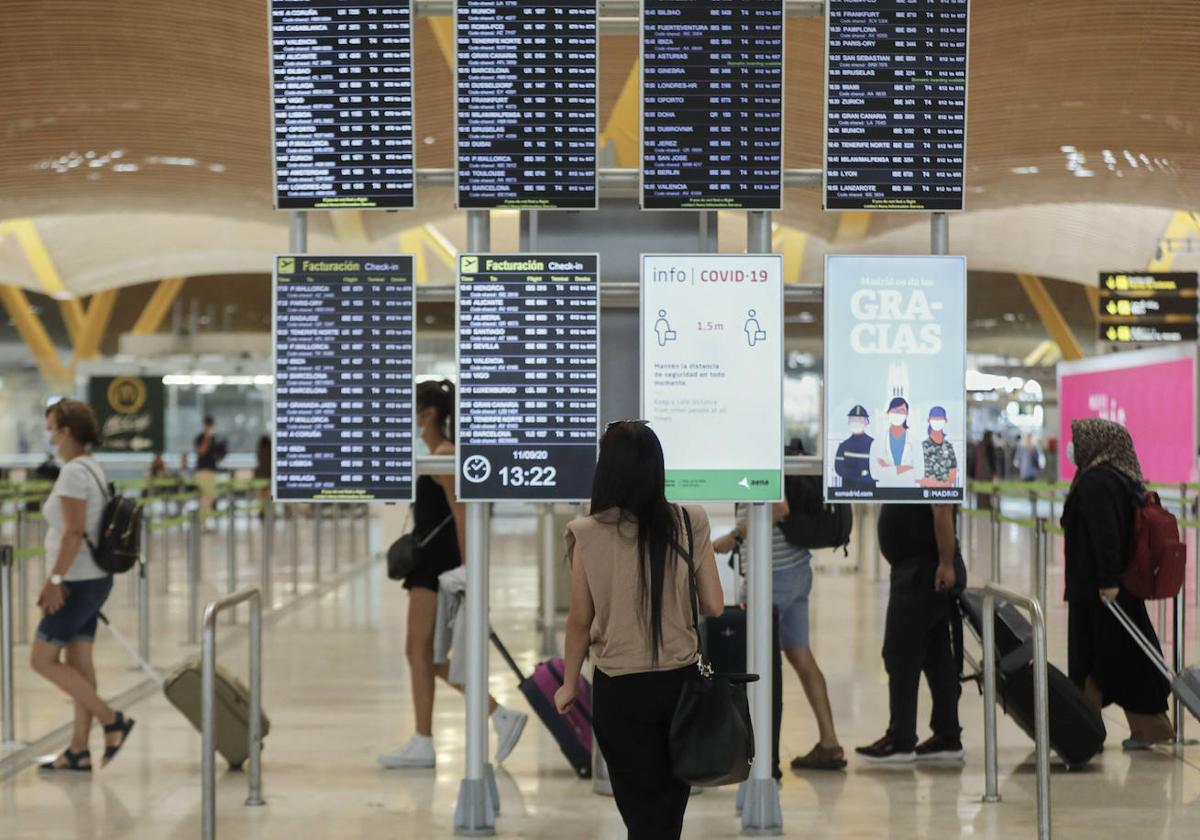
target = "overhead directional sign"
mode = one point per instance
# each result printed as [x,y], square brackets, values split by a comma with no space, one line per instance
[342,88]
[529,376]
[343,338]
[528,93]
[1148,307]
[712,104]
[895,104]
[712,373]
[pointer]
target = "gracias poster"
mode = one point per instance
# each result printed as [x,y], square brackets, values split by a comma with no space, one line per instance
[895,379]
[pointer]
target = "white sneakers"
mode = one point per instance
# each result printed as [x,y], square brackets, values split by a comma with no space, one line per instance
[508,725]
[418,753]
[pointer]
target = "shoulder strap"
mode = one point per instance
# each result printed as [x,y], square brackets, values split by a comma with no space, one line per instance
[687,558]
[96,476]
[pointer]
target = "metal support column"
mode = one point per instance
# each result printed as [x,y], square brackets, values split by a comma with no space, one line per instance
[316,517]
[298,231]
[8,734]
[475,814]
[761,811]
[293,515]
[549,544]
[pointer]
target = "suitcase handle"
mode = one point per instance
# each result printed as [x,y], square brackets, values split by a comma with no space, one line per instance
[1142,642]
[505,655]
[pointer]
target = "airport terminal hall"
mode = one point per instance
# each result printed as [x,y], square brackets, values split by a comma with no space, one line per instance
[599,419]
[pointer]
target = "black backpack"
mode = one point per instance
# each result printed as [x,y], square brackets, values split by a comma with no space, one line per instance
[120,544]
[810,522]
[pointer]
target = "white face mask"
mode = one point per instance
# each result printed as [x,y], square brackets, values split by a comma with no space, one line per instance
[937,425]
[897,419]
[857,426]
[420,447]
[1071,453]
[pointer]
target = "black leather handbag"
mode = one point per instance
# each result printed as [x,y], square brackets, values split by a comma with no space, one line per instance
[403,555]
[712,737]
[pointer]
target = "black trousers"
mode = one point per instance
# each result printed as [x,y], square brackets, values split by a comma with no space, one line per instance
[916,639]
[632,721]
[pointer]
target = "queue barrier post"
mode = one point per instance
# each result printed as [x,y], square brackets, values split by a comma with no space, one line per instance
[338,510]
[1179,716]
[994,534]
[143,584]
[231,558]
[268,552]
[208,717]
[1041,712]
[22,564]
[193,574]
[315,509]
[549,543]
[8,712]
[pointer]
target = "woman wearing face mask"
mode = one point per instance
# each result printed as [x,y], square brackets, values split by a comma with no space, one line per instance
[439,524]
[941,464]
[893,457]
[1097,523]
[77,588]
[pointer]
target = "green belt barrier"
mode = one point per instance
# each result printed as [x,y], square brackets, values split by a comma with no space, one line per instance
[8,517]
[1189,523]
[1052,528]
[206,515]
[168,524]
[978,512]
[35,517]
[29,553]
[1012,520]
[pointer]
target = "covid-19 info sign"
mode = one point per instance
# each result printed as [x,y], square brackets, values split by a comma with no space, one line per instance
[895,379]
[712,373]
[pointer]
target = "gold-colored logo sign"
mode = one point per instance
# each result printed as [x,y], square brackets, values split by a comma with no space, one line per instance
[127,394]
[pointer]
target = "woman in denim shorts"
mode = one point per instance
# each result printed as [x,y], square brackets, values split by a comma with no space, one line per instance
[77,588]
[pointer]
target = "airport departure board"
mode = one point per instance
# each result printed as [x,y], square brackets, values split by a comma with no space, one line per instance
[343,339]
[342,87]
[527,104]
[895,104]
[712,104]
[529,376]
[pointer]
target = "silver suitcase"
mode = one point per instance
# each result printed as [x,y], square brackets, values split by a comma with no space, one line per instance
[1185,684]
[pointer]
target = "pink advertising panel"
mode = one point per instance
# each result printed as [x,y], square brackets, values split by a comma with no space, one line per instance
[1150,392]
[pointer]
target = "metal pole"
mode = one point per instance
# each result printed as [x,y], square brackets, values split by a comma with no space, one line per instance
[761,812]
[22,614]
[293,515]
[939,234]
[193,570]
[231,560]
[1041,559]
[475,814]
[6,645]
[316,515]
[1041,697]
[268,553]
[298,231]
[144,592]
[1180,617]
[995,537]
[991,768]
[336,526]
[549,543]
[164,542]
[208,728]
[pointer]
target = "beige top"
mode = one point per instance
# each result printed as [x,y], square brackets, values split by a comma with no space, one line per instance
[620,638]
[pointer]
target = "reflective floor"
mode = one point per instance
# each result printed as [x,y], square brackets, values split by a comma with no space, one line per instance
[336,692]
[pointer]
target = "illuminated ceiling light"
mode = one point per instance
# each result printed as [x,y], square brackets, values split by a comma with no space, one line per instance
[1084,173]
[126,167]
[1067,150]
[1024,170]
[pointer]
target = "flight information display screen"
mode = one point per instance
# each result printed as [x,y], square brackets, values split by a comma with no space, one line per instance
[528,87]
[712,105]
[529,376]
[343,339]
[342,88]
[895,104]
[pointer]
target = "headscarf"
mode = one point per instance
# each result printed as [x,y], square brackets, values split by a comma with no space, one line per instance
[1105,443]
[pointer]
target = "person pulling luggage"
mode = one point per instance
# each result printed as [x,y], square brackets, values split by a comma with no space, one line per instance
[1098,519]
[920,544]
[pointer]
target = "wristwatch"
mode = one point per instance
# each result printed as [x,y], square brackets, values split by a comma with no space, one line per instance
[56,580]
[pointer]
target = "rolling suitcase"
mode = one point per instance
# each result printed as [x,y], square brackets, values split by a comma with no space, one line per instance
[1185,684]
[572,731]
[231,703]
[725,650]
[1076,728]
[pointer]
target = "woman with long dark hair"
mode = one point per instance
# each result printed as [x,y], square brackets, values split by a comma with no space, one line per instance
[631,612]
[439,526]
[1097,523]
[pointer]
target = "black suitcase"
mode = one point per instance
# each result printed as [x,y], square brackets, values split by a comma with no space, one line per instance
[572,731]
[1076,728]
[725,649]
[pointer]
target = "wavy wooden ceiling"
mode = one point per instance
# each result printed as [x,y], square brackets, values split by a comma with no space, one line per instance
[180,91]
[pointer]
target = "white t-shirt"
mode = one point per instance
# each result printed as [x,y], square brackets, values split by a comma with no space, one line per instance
[80,478]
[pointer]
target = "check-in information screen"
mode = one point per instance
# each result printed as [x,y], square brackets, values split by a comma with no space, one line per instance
[529,376]
[343,330]
[712,373]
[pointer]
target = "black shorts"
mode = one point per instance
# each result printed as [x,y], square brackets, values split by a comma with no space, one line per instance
[77,619]
[437,558]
